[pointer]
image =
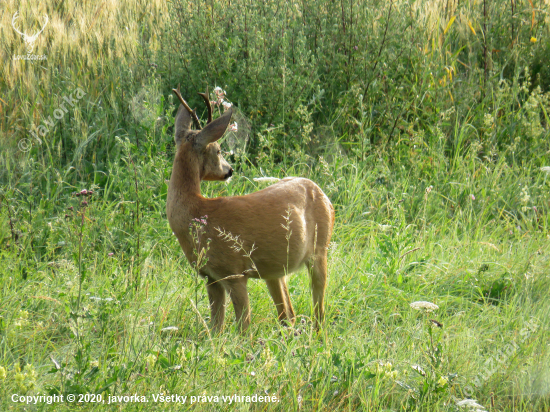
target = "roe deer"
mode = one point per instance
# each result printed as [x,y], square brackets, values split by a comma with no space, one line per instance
[256,220]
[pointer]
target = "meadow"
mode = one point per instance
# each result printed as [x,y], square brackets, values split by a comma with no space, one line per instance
[425,122]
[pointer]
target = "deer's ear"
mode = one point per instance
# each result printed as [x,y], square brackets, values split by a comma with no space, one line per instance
[183,124]
[214,130]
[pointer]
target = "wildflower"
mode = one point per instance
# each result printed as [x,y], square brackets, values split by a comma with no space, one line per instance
[472,197]
[150,359]
[20,381]
[253,373]
[94,364]
[533,39]
[214,102]
[488,120]
[233,127]
[226,105]
[442,381]
[3,373]
[545,169]
[428,306]
[525,195]
[429,189]
[83,192]
[268,356]
[180,351]
[219,91]
[383,367]
[470,403]
[392,374]
[355,47]
[219,361]
[169,329]
[111,254]
[27,379]
[418,369]
[22,320]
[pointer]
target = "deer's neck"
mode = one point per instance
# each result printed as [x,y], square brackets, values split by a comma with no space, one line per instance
[184,192]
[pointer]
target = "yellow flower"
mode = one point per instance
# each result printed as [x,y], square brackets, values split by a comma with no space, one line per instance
[268,356]
[393,374]
[30,372]
[19,380]
[533,39]
[27,379]
[442,381]
[151,359]
[22,320]
[219,361]
[3,373]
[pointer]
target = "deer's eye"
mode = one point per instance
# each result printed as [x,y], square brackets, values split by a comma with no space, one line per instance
[219,152]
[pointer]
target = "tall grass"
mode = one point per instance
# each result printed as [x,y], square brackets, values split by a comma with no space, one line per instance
[426,123]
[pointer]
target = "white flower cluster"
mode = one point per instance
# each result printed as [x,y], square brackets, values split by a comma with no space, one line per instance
[423,305]
[220,101]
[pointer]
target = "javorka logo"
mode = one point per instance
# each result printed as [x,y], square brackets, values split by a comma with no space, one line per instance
[29,39]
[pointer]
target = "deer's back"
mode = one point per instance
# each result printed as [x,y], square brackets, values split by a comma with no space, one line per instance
[283,223]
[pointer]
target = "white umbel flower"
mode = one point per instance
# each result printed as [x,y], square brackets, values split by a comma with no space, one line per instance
[472,404]
[169,329]
[423,305]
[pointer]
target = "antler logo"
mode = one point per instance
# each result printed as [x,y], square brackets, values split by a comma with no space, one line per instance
[29,40]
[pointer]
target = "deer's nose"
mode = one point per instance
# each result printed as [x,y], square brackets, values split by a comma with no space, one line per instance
[229,174]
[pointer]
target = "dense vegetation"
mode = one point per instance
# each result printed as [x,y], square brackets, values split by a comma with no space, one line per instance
[425,122]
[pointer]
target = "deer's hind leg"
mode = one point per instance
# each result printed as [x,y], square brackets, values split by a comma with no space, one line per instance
[318,272]
[278,290]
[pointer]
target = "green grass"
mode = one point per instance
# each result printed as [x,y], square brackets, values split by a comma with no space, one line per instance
[429,148]
[482,262]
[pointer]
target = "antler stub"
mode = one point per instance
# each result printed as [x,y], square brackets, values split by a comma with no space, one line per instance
[191,111]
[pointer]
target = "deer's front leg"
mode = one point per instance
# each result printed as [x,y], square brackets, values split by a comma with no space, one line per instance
[216,297]
[239,296]
[279,292]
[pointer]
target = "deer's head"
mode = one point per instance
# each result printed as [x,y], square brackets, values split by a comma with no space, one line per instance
[29,39]
[201,145]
